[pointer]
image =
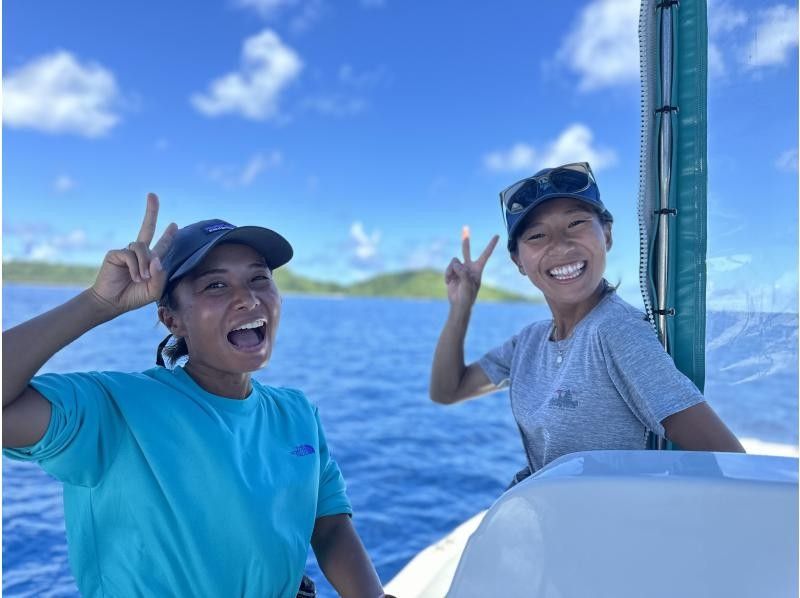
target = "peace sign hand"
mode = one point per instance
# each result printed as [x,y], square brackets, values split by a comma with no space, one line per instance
[463,279]
[132,277]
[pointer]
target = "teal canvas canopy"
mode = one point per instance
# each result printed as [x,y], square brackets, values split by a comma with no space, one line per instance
[673,173]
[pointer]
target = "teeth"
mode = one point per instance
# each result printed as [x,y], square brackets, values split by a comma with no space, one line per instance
[253,324]
[568,271]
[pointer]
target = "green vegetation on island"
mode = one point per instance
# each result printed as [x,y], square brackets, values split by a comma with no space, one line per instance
[290,282]
[422,284]
[48,273]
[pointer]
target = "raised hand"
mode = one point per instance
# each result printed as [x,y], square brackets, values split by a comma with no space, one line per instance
[463,279]
[132,277]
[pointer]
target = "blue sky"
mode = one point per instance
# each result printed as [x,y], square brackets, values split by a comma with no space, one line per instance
[369,131]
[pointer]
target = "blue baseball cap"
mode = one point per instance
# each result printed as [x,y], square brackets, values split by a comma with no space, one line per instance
[192,243]
[570,180]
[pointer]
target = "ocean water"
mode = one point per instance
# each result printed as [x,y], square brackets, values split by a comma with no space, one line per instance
[415,470]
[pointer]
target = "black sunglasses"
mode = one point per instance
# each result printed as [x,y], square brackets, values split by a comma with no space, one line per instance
[570,178]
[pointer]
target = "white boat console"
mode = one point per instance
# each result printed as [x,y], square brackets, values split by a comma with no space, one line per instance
[640,523]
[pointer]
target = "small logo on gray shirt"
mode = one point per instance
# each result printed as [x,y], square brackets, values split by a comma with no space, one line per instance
[563,399]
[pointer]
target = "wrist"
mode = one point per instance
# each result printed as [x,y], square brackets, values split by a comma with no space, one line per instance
[101,309]
[460,313]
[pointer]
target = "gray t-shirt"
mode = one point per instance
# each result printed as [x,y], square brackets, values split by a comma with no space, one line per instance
[602,388]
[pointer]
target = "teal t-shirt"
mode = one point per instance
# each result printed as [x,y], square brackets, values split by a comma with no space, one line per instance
[172,491]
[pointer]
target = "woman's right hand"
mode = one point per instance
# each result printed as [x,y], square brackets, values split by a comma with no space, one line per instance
[463,279]
[132,277]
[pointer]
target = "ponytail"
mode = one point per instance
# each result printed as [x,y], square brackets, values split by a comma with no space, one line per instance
[172,351]
[176,349]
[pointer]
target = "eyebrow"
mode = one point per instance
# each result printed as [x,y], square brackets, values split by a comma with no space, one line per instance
[252,266]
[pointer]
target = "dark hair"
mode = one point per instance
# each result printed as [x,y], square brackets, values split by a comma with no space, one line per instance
[176,349]
[605,218]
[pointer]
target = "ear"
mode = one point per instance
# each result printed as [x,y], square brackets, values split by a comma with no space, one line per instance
[607,232]
[515,259]
[171,320]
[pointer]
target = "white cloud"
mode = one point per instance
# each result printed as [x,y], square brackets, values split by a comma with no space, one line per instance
[57,94]
[574,144]
[241,176]
[54,247]
[787,161]
[42,253]
[348,100]
[268,67]
[774,37]
[266,8]
[518,157]
[724,18]
[753,40]
[336,105]
[365,246]
[63,183]
[716,62]
[310,13]
[727,263]
[258,164]
[604,46]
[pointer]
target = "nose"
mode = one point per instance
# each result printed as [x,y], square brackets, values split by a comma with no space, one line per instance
[245,298]
[561,243]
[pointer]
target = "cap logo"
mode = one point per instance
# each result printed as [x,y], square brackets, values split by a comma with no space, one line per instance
[220,226]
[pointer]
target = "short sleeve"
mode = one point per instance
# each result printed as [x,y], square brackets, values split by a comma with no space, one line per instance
[644,374]
[496,364]
[84,430]
[332,498]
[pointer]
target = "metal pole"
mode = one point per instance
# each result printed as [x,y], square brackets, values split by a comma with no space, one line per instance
[665,169]
[665,176]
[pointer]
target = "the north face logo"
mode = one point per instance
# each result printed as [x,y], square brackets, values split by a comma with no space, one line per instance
[301,450]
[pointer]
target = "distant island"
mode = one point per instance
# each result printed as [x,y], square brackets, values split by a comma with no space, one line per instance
[421,284]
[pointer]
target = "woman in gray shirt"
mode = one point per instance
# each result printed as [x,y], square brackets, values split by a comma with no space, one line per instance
[595,376]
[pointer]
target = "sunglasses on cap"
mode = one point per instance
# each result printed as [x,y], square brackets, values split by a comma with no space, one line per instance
[570,178]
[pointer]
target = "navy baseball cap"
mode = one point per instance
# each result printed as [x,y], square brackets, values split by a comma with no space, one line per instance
[192,243]
[570,180]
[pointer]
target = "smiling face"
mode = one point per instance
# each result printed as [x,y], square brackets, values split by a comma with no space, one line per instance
[227,309]
[561,248]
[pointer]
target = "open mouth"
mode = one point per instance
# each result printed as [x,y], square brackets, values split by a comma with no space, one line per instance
[567,272]
[248,336]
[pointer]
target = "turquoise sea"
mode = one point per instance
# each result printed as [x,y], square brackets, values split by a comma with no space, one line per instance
[415,470]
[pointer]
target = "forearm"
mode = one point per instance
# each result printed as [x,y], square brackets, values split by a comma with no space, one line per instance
[343,559]
[699,428]
[28,346]
[448,360]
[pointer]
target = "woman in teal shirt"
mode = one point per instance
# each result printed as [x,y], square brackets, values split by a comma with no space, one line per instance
[196,480]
